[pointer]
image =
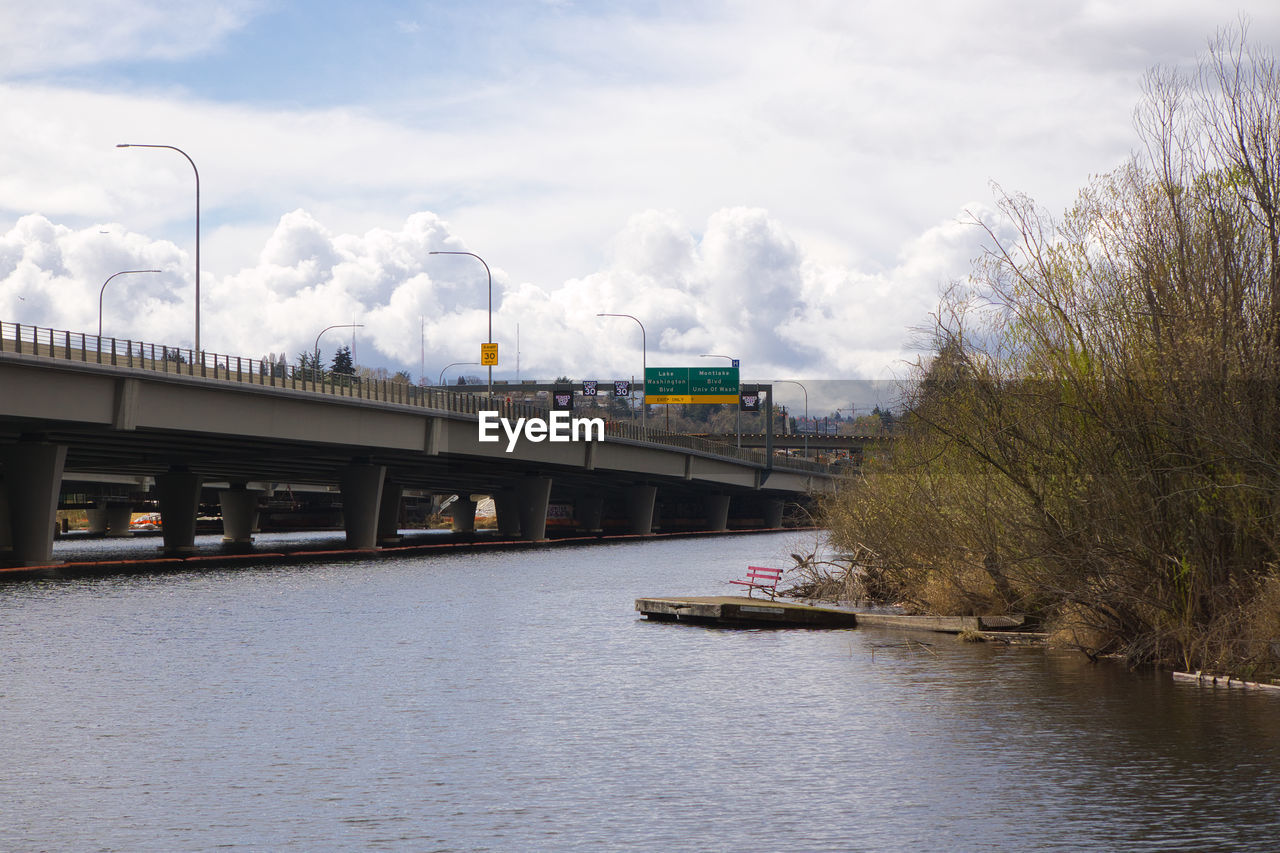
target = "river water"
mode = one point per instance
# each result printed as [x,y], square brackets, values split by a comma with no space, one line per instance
[512,701]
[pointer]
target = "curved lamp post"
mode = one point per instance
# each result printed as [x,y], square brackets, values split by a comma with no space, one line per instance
[327,328]
[738,423]
[490,274]
[806,409]
[197,171]
[644,362]
[440,381]
[104,290]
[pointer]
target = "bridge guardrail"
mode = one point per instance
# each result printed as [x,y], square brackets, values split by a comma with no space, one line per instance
[63,345]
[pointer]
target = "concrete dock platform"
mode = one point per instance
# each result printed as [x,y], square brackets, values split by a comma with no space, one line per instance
[757,612]
[741,611]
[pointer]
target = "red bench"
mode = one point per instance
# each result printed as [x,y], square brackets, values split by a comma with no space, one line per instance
[761,578]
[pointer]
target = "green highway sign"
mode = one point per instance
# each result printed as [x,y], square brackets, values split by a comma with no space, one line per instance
[664,385]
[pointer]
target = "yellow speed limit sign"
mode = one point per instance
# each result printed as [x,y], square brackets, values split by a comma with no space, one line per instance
[488,354]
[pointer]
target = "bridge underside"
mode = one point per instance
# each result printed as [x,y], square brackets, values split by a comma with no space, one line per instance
[85,423]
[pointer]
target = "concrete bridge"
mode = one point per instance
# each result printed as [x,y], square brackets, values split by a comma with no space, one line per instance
[76,407]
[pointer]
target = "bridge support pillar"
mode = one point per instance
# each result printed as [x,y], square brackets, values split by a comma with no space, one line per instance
[239,513]
[507,507]
[6,537]
[361,493]
[590,512]
[97,520]
[389,513]
[717,512]
[534,493]
[463,512]
[640,501]
[118,516]
[178,493]
[32,479]
[773,513]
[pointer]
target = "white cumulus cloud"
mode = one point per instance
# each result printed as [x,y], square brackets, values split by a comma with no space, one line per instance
[739,285]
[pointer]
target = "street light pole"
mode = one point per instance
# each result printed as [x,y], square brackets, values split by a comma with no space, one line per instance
[806,409]
[104,290]
[739,407]
[197,172]
[490,274]
[644,361]
[440,381]
[327,328]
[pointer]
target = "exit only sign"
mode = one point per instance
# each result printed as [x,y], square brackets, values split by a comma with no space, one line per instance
[665,385]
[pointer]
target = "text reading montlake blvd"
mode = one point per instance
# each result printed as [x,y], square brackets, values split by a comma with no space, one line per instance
[560,427]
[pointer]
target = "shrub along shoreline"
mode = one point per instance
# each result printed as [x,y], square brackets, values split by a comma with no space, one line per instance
[1096,438]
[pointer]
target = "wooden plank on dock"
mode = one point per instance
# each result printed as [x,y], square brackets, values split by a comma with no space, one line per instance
[1016,638]
[941,624]
[1205,679]
[742,610]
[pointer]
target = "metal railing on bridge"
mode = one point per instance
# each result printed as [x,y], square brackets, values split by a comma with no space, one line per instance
[63,345]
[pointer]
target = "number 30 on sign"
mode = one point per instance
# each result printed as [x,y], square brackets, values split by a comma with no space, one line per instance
[488,354]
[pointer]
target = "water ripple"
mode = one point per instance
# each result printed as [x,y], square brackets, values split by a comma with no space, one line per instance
[513,701]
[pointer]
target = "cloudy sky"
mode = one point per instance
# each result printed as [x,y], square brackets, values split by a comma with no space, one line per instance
[789,184]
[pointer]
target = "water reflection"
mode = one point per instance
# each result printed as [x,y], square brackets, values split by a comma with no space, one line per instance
[504,701]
